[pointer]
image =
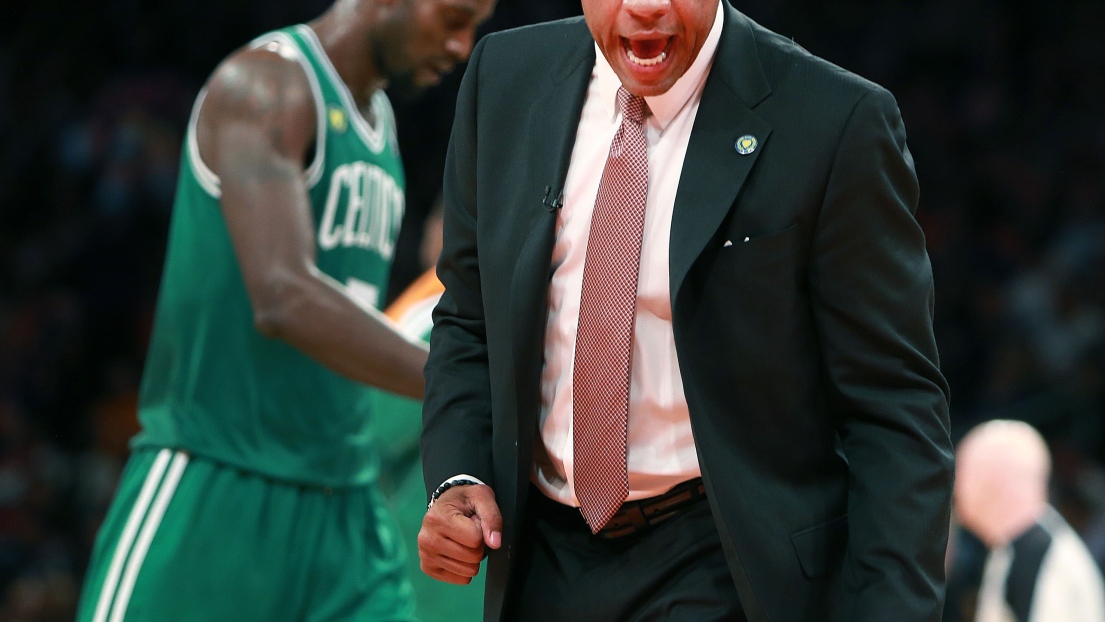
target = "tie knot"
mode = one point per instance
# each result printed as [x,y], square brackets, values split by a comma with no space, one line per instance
[633,106]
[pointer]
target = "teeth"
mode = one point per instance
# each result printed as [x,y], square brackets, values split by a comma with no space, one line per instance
[646,62]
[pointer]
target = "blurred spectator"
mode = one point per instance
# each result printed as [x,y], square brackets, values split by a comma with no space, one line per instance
[1037,568]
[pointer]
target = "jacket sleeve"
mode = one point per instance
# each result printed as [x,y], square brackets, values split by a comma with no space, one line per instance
[872,296]
[456,414]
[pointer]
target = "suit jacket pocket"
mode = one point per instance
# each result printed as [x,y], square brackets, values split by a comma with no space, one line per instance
[762,249]
[821,548]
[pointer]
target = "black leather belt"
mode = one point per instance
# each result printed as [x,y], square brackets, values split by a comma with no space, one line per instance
[633,517]
[638,515]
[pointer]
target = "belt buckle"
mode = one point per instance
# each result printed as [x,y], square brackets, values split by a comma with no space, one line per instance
[628,520]
[636,516]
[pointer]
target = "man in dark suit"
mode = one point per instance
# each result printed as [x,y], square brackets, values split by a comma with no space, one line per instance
[759,430]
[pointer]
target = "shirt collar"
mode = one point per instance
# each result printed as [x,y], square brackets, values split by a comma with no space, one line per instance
[666,106]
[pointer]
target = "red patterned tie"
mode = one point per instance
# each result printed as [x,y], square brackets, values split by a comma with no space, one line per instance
[604,340]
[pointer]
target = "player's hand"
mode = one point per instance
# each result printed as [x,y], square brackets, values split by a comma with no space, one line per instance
[455,531]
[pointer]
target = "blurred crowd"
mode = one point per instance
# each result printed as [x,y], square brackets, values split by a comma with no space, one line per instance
[1000,100]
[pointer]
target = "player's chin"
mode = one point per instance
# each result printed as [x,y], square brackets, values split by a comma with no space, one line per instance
[426,78]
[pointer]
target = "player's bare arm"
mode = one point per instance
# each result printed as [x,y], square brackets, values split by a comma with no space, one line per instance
[256,131]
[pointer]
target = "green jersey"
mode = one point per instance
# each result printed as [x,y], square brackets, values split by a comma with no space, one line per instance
[213,385]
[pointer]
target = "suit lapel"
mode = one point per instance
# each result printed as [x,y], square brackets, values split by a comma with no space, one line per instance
[714,171]
[551,133]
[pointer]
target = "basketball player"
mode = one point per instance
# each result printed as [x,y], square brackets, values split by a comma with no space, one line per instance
[251,491]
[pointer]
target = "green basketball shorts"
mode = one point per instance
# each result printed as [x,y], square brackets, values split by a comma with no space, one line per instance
[190,539]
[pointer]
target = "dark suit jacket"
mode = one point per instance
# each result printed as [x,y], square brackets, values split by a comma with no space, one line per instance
[807,355]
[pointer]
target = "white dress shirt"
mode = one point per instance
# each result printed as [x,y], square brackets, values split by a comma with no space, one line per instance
[661,449]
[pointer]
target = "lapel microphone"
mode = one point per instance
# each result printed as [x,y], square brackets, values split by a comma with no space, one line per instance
[550,202]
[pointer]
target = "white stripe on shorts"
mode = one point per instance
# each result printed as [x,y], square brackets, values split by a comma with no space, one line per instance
[122,546]
[142,546]
[148,523]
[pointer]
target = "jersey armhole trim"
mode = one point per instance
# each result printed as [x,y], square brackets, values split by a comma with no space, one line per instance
[206,178]
[313,173]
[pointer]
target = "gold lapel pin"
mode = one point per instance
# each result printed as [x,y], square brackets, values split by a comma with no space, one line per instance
[746,144]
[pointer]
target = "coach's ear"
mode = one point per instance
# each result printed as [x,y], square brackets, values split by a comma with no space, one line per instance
[821,548]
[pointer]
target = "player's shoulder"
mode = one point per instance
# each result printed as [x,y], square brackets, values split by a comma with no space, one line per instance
[261,80]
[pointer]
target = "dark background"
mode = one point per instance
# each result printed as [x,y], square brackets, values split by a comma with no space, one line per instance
[1002,100]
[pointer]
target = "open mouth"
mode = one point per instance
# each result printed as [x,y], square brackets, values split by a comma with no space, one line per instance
[647,52]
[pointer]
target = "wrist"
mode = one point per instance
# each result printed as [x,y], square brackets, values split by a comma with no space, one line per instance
[452,483]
